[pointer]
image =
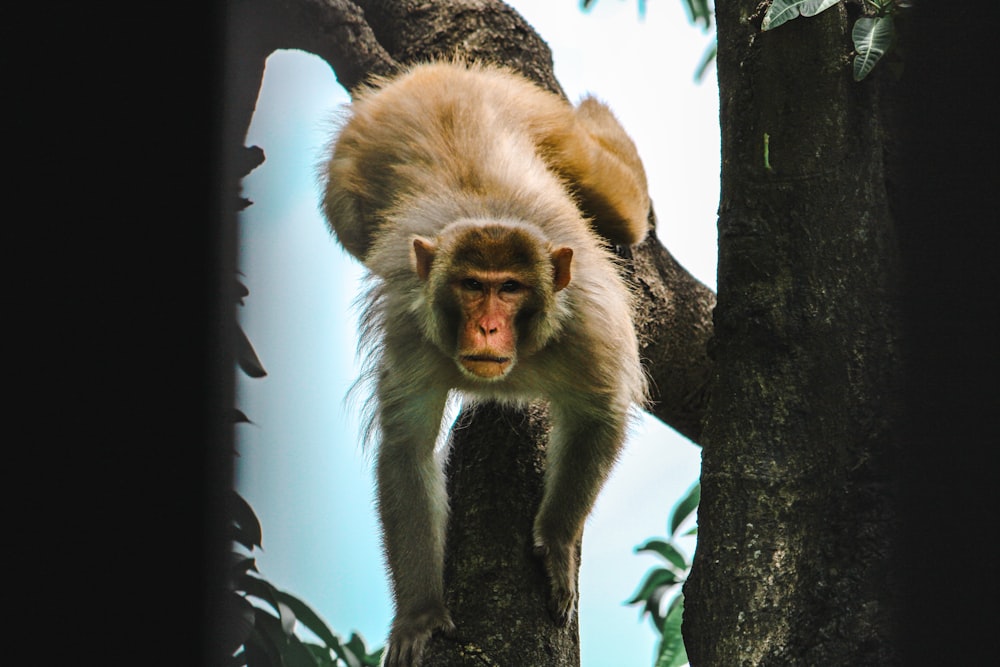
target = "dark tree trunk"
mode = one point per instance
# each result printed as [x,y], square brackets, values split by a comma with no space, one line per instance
[798,521]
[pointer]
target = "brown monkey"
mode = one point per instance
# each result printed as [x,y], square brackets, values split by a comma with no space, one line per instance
[463,190]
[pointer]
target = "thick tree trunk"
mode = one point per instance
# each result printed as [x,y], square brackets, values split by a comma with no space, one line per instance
[797,519]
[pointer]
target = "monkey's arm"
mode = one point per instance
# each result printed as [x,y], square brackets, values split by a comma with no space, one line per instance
[582,450]
[413,506]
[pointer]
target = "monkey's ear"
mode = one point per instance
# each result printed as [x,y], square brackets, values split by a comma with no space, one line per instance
[423,255]
[561,260]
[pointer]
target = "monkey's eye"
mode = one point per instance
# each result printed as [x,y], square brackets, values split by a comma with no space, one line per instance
[472,285]
[511,286]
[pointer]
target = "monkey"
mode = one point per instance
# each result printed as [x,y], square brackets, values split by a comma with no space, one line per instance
[483,207]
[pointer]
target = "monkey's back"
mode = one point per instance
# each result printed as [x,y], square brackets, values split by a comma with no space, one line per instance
[468,134]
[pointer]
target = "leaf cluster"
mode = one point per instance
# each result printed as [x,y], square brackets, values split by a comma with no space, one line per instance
[873,34]
[262,618]
[665,583]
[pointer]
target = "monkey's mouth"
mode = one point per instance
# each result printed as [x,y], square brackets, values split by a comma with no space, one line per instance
[487,366]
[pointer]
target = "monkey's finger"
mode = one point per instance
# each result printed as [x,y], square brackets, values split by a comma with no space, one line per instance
[561,607]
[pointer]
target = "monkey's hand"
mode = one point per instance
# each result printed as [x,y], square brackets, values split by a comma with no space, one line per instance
[560,565]
[410,634]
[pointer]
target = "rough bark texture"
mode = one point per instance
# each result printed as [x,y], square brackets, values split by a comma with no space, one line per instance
[495,590]
[488,30]
[798,518]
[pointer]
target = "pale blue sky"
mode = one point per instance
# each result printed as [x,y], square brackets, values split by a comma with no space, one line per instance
[301,466]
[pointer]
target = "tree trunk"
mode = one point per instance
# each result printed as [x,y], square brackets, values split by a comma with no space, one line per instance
[797,520]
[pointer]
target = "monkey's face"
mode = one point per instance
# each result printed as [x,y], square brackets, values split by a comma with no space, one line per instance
[488,307]
[492,288]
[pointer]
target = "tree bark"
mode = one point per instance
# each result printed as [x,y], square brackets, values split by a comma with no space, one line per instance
[797,521]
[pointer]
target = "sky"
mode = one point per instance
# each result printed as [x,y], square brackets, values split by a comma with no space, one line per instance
[300,462]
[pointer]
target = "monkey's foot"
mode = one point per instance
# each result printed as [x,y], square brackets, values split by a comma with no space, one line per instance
[560,565]
[410,634]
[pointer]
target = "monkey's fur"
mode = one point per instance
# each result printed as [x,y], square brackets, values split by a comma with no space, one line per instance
[428,165]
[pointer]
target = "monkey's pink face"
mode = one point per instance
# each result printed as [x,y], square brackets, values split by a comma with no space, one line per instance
[487,340]
[491,290]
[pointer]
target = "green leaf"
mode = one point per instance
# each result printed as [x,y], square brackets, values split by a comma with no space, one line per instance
[242,564]
[698,10]
[265,644]
[684,507]
[672,652]
[667,550]
[275,637]
[308,618]
[239,615]
[248,531]
[260,589]
[656,578]
[348,656]
[261,653]
[357,646]
[287,617]
[322,656]
[296,654]
[263,590]
[345,655]
[374,659]
[782,11]
[652,607]
[872,37]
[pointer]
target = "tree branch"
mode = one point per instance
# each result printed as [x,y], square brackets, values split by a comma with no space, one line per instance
[336,31]
[486,30]
[674,322]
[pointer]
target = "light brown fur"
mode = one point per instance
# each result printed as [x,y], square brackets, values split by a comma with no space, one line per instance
[423,158]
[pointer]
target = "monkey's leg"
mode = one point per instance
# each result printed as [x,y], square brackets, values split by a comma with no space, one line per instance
[601,163]
[581,452]
[413,507]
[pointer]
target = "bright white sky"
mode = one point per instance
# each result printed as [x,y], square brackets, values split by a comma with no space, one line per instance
[300,464]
